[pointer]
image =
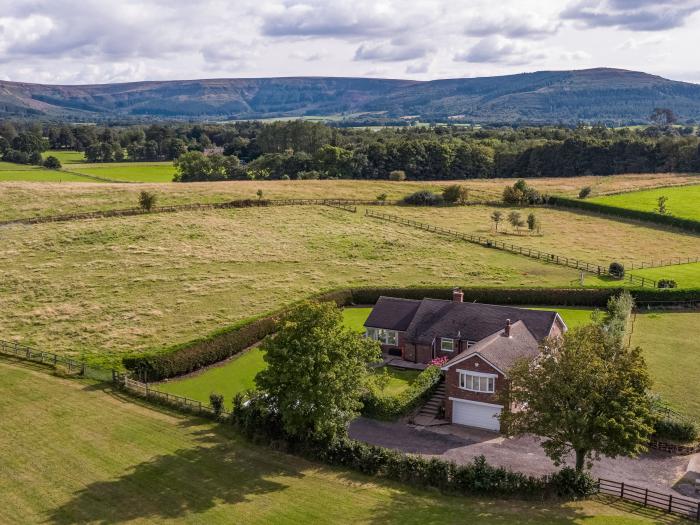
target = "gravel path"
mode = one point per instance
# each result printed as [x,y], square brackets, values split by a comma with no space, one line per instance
[654,470]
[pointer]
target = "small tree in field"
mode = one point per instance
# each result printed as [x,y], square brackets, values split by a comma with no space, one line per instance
[585,192]
[497,217]
[316,371]
[533,223]
[147,200]
[515,220]
[260,194]
[455,194]
[397,175]
[585,394]
[382,197]
[52,163]
[661,205]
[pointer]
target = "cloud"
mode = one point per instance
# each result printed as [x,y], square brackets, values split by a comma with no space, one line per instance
[634,15]
[417,69]
[512,25]
[496,49]
[390,52]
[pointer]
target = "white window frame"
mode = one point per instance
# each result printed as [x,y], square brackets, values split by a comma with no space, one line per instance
[477,381]
[385,337]
[444,340]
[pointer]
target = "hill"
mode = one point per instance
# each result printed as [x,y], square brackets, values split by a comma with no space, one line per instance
[603,94]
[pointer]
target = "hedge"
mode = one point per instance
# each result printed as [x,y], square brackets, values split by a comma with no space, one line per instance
[680,431]
[217,346]
[648,216]
[222,344]
[255,420]
[380,406]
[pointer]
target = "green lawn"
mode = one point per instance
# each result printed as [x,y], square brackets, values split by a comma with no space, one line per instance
[40,175]
[354,318]
[91,455]
[229,378]
[682,201]
[672,349]
[685,275]
[129,171]
[399,380]
[573,316]
[66,157]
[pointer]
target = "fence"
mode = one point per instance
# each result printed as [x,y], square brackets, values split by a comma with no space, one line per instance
[520,250]
[663,262]
[685,507]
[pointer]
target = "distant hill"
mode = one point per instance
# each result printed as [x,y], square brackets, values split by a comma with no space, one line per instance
[593,95]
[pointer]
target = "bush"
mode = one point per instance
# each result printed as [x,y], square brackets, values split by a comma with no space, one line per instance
[681,431]
[397,175]
[666,283]
[423,198]
[147,200]
[455,194]
[379,406]
[569,484]
[617,270]
[521,194]
[52,163]
[217,403]
[585,192]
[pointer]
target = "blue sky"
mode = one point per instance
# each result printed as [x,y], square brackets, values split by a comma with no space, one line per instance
[86,41]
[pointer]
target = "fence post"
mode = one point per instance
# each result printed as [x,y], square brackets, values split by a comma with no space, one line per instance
[646,496]
[670,502]
[697,515]
[622,490]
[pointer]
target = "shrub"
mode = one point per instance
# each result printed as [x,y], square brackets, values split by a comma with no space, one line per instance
[521,194]
[382,197]
[52,163]
[569,484]
[617,270]
[397,175]
[666,283]
[309,175]
[147,200]
[217,403]
[681,431]
[381,406]
[585,192]
[423,198]
[455,194]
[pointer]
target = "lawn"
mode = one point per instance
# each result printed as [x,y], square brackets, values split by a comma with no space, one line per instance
[592,239]
[398,380]
[11,172]
[106,459]
[672,349]
[103,287]
[354,318]
[66,157]
[128,171]
[228,378]
[685,275]
[682,201]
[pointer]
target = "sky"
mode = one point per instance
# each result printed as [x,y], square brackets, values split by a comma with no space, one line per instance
[104,41]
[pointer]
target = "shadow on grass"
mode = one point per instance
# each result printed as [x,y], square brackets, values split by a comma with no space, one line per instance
[218,470]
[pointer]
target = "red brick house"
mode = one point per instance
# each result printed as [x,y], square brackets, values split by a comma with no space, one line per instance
[481,341]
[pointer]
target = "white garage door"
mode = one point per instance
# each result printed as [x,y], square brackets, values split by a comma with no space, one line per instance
[473,414]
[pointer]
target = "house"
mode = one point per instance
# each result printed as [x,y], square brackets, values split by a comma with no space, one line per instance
[480,341]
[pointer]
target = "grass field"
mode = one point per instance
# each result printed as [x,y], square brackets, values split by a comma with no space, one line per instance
[682,202]
[66,157]
[103,287]
[128,171]
[11,172]
[685,275]
[97,457]
[228,378]
[22,199]
[592,239]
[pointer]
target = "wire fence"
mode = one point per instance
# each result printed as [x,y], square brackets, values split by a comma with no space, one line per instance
[686,507]
[488,242]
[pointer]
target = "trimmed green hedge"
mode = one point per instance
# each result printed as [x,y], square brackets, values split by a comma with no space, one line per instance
[625,213]
[392,407]
[217,346]
[680,431]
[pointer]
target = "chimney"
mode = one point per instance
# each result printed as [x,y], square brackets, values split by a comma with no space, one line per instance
[457,295]
[506,332]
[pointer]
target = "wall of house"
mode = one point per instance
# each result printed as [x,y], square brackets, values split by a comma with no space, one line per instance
[393,350]
[476,364]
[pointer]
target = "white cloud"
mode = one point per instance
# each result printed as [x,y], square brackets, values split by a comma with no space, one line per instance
[635,15]
[496,49]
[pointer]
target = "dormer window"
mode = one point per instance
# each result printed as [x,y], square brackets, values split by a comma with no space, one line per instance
[447,345]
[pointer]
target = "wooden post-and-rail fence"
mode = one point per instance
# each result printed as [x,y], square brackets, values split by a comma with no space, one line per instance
[686,507]
[487,242]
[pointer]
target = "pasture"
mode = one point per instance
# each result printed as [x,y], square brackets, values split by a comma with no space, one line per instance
[103,287]
[128,171]
[682,202]
[685,275]
[11,172]
[106,459]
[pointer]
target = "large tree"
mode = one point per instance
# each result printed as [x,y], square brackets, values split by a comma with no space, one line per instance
[316,371]
[586,394]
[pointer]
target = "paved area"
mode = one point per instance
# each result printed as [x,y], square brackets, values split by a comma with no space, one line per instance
[655,470]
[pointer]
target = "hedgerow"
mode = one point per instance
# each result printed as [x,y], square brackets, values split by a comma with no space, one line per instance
[379,406]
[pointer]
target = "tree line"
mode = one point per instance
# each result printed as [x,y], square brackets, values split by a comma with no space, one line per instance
[309,150]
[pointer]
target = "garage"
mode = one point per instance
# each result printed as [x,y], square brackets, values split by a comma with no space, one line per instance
[476,414]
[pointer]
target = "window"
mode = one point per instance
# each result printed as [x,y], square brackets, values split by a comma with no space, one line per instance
[447,345]
[476,382]
[386,337]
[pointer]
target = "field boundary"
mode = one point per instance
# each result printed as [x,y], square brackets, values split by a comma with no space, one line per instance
[97,177]
[532,253]
[669,503]
[651,188]
[687,225]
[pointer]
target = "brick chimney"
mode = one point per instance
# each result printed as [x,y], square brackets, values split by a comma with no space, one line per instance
[457,295]
[506,332]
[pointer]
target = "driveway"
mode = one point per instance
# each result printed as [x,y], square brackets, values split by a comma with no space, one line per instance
[654,470]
